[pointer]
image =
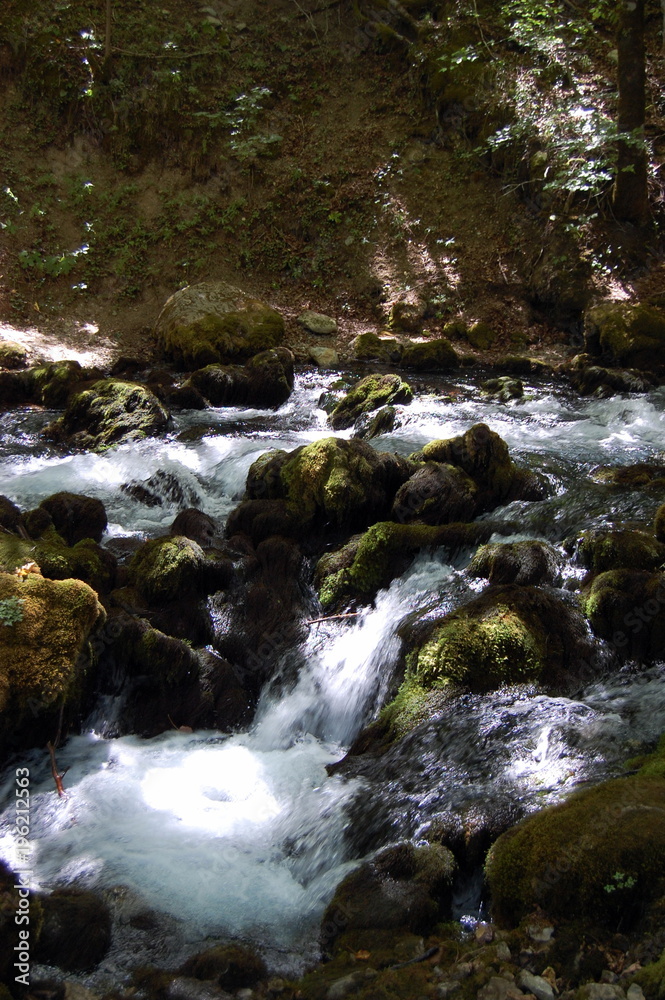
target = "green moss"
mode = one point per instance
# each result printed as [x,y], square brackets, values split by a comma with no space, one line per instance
[58,561]
[369,394]
[659,523]
[412,705]
[481,336]
[633,335]
[370,347]
[52,384]
[166,568]
[503,388]
[600,551]
[528,562]
[437,355]
[596,858]
[12,355]
[650,765]
[371,561]
[39,655]
[627,607]
[652,979]
[109,412]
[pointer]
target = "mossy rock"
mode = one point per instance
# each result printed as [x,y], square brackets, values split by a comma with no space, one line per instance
[651,765]
[630,476]
[56,560]
[53,383]
[10,514]
[431,355]
[12,355]
[629,334]
[372,347]
[232,966]
[370,561]
[481,336]
[592,380]
[484,456]
[525,563]
[330,484]
[402,887]
[600,551]
[76,933]
[164,569]
[558,280]
[436,493]
[214,322]
[109,412]
[627,607]
[383,422]
[595,859]
[503,388]
[659,523]
[509,634]
[44,628]
[652,979]
[371,393]
[76,517]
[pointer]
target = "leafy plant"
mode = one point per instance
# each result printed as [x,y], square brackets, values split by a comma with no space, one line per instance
[620,881]
[11,610]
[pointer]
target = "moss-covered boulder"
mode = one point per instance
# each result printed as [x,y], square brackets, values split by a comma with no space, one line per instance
[484,456]
[627,607]
[164,569]
[232,966]
[430,355]
[590,379]
[76,933]
[659,523]
[526,563]
[600,551]
[109,412]
[437,493]
[216,323]
[595,859]
[372,347]
[12,355]
[369,394]
[10,514]
[503,389]
[370,561]
[52,384]
[383,422]
[44,628]
[402,887]
[481,336]
[56,560]
[266,380]
[75,516]
[507,635]
[627,333]
[630,476]
[330,484]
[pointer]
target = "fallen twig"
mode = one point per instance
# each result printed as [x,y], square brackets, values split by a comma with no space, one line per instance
[331,618]
[57,776]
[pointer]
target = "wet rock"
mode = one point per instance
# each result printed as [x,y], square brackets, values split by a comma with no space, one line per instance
[659,523]
[76,517]
[10,514]
[372,347]
[484,456]
[53,383]
[13,355]
[403,887]
[525,563]
[55,559]
[503,388]
[232,966]
[164,569]
[266,380]
[76,933]
[507,635]
[108,413]
[14,390]
[627,607]
[431,355]
[627,333]
[324,357]
[437,493]
[592,380]
[368,427]
[369,394]
[600,550]
[630,476]
[565,857]
[499,988]
[185,988]
[318,323]
[331,484]
[216,323]
[260,519]
[193,523]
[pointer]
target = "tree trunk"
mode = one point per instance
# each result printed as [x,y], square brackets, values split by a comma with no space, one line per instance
[107,39]
[630,201]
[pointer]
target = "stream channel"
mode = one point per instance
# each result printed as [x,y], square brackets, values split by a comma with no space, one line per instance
[246,836]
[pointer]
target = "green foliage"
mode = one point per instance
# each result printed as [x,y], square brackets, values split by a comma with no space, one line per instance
[620,881]
[11,610]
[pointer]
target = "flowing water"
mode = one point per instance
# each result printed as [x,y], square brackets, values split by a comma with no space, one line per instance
[246,836]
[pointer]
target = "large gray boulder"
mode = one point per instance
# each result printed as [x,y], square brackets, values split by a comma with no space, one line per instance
[216,323]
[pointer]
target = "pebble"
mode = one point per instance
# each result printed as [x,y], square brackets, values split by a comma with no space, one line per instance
[602,991]
[499,988]
[540,934]
[446,989]
[462,971]
[540,987]
[503,952]
[484,934]
[324,357]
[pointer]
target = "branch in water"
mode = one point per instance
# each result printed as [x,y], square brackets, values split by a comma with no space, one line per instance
[331,618]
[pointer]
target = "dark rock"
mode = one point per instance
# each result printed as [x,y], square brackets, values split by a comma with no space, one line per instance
[627,607]
[600,550]
[76,517]
[194,524]
[369,394]
[626,333]
[107,413]
[76,933]
[10,514]
[383,422]
[232,966]
[436,494]
[525,563]
[12,355]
